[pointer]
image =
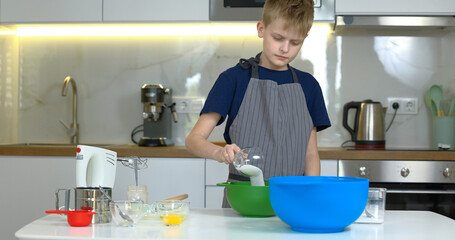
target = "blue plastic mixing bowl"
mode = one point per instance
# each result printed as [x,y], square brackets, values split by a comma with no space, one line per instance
[318,204]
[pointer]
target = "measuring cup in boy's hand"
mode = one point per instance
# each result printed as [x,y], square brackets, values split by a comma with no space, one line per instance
[248,162]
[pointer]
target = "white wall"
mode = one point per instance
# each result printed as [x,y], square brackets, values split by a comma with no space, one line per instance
[9,90]
[110,71]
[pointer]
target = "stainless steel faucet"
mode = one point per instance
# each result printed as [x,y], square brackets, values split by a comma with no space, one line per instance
[73,129]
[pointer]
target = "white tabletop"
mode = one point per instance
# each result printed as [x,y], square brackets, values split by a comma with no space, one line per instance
[226,224]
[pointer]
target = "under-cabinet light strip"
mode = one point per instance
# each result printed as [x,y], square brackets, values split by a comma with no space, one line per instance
[8,32]
[209,29]
[152,30]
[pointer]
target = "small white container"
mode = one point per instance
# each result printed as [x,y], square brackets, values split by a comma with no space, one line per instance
[374,211]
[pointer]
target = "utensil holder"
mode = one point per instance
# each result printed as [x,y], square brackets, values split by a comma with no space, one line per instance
[444,131]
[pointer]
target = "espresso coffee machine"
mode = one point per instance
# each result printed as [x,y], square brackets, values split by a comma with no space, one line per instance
[159,113]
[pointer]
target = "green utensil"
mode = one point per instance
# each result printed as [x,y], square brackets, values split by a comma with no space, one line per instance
[452,107]
[429,103]
[436,96]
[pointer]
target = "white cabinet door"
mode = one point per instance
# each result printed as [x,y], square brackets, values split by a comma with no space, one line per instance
[329,167]
[165,177]
[50,11]
[28,186]
[213,197]
[155,10]
[215,172]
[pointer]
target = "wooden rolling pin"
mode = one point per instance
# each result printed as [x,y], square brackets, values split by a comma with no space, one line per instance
[179,197]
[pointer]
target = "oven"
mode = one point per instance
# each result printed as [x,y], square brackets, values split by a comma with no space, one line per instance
[411,185]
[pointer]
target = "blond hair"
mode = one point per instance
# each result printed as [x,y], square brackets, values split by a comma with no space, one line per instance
[297,14]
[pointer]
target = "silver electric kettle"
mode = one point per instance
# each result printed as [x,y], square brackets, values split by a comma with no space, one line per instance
[369,124]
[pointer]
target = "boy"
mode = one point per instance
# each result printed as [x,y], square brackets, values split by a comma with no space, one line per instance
[269,104]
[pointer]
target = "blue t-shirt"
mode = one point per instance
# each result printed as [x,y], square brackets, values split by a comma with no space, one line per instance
[227,94]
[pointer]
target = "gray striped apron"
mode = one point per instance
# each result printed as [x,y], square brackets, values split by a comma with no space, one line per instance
[276,119]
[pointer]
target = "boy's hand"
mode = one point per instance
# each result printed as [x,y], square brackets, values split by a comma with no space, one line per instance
[226,154]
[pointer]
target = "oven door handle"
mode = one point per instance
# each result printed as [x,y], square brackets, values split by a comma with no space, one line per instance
[422,191]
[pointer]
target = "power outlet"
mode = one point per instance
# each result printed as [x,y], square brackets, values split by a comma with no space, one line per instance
[188,104]
[407,105]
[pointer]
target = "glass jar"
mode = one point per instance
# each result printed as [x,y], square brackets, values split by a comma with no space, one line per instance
[375,209]
[137,193]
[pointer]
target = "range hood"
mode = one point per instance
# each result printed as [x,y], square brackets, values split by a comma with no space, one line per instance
[395,21]
[395,14]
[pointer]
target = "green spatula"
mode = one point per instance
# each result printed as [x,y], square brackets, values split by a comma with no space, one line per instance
[452,107]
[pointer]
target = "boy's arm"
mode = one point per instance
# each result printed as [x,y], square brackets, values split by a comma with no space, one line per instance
[197,144]
[312,161]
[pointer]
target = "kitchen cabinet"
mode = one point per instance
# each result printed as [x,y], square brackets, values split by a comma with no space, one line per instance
[28,185]
[216,172]
[329,167]
[98,11]
[155,10]
[50,11]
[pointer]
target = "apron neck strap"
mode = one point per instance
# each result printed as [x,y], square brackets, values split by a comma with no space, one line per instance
[253,64]
[294,75]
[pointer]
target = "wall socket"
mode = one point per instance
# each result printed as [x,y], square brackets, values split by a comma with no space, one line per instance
[407,105]
[188,104]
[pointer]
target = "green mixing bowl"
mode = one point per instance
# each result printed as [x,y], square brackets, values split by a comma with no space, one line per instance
[249,201]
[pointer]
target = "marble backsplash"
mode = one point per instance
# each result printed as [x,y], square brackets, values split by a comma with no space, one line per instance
[109,72]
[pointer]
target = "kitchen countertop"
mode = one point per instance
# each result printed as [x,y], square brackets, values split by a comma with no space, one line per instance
[226,224]
[124,150]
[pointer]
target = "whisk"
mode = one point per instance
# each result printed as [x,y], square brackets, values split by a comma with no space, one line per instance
[130,162]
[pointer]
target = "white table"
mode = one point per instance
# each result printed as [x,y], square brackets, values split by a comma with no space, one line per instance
[222,224]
